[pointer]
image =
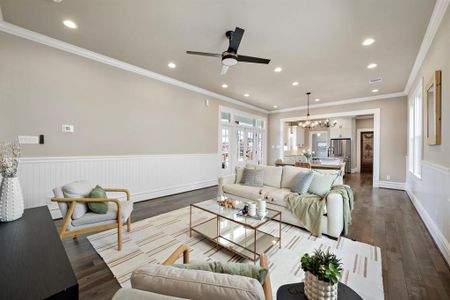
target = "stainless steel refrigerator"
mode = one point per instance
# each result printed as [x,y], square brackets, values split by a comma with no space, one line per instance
[342,148]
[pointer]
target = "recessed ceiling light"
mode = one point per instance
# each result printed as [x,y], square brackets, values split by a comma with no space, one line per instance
[275,106]
[295,83]
[372,66]
[368,42]
[375,91]
[317,99]
[224,85]
[172,65]
[278,69]
[246,95]
[57,1]
[71,24]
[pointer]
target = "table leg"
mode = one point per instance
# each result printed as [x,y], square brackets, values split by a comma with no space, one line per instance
[254,247]
[218,232]
[279,241]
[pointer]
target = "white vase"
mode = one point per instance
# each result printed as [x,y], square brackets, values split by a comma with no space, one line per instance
[11,199]
[316,289]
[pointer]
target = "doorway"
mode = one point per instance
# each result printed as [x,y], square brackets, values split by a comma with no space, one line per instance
[366,147]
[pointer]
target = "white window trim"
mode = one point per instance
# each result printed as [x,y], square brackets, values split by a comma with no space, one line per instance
[415,124]
[233,127]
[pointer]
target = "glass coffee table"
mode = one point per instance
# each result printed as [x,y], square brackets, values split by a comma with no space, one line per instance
[239,234]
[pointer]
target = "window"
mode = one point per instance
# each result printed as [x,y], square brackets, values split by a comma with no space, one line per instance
[242,139]
[415,112]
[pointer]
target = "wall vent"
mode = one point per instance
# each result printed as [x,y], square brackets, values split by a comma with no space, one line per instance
[376,80]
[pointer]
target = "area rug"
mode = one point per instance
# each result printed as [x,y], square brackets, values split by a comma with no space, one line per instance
[152,240]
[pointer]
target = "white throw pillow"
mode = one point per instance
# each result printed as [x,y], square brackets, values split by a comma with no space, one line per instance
[78,189]
[272,176]
[290,174]
[321,183]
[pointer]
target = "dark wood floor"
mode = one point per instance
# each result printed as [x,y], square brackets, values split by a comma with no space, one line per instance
[413,267]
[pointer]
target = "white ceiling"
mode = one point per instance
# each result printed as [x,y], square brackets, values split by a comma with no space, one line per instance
[317,43]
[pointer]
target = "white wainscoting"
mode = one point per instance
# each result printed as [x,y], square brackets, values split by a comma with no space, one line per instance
[431,197]
[146,176]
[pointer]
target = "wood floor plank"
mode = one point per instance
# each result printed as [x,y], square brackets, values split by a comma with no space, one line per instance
[413,267]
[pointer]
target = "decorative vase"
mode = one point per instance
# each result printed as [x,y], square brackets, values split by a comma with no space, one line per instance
[316,289]
[11,199]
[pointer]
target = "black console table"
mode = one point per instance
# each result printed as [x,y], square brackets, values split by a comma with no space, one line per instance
[33,262]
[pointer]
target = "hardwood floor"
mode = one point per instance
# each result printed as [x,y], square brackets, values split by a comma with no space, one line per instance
[413,267]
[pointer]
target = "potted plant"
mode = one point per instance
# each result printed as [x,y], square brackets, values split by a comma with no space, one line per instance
[322,274]
[11,199]
[307,154]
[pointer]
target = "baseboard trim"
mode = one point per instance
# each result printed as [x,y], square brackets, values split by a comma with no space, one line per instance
[391,185]
[148,195]
[437,235]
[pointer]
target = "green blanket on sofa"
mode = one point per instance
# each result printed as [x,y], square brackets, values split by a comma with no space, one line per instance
[309,208]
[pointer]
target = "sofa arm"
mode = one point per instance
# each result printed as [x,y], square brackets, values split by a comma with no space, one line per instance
[335,214]
[230,179]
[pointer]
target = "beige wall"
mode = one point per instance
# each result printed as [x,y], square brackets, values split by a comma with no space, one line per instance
[392,136]
[114,112]
[438,58]
[364,123]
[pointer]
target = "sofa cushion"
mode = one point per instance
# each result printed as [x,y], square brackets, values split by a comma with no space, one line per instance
[248,192]
[289,175]
[78,189]
[195,284]
[253,177]
[302,182]
[111,215]
[321,183]
[277,196]
[272,176]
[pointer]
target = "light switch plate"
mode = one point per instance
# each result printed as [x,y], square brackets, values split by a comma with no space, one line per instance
[67,128]
[28,139]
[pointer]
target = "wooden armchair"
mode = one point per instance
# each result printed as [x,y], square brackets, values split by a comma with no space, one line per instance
[184,250]
[92,223]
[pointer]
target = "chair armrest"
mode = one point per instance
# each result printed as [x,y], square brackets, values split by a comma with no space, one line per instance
[86,200]
[115,190]
[225,180]
[264,262]
[183,249]
[335,214]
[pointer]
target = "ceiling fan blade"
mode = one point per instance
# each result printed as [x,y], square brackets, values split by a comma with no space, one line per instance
[236,38]
[224,70]
[252,59]
[204,53]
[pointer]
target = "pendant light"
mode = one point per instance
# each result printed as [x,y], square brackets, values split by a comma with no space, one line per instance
[308,124]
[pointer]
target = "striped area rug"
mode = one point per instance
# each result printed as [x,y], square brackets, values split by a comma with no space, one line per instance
[152,240]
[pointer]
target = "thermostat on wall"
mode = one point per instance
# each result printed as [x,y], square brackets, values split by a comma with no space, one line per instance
[68,128]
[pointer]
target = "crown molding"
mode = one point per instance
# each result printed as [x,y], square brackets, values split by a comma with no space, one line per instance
[341,102]
[60,45]
[439,11]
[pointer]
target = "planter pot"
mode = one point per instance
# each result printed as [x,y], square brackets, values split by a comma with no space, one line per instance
[11,199]
[319,290]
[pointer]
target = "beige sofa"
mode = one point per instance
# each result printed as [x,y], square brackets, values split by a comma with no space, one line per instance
[277,184]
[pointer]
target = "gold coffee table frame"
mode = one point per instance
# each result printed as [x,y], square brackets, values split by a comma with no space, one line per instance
[241,235]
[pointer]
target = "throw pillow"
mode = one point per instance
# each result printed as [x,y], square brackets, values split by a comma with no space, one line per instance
[253,177]
[98,207]
[239,174]
[77,189]
[302,182]
[247,270]
[321,183]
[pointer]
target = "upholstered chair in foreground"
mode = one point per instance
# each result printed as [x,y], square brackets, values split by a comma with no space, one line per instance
[154,281]
[73,202]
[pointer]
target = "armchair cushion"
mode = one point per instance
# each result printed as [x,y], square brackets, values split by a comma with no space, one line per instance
[91,218]
[98,207]
[195,284]
[78,189]
[253,271]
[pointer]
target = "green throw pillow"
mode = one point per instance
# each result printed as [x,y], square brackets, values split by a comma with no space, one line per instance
[247,270]
[98,207]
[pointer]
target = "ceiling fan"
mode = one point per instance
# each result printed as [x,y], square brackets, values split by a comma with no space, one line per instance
[230,57]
